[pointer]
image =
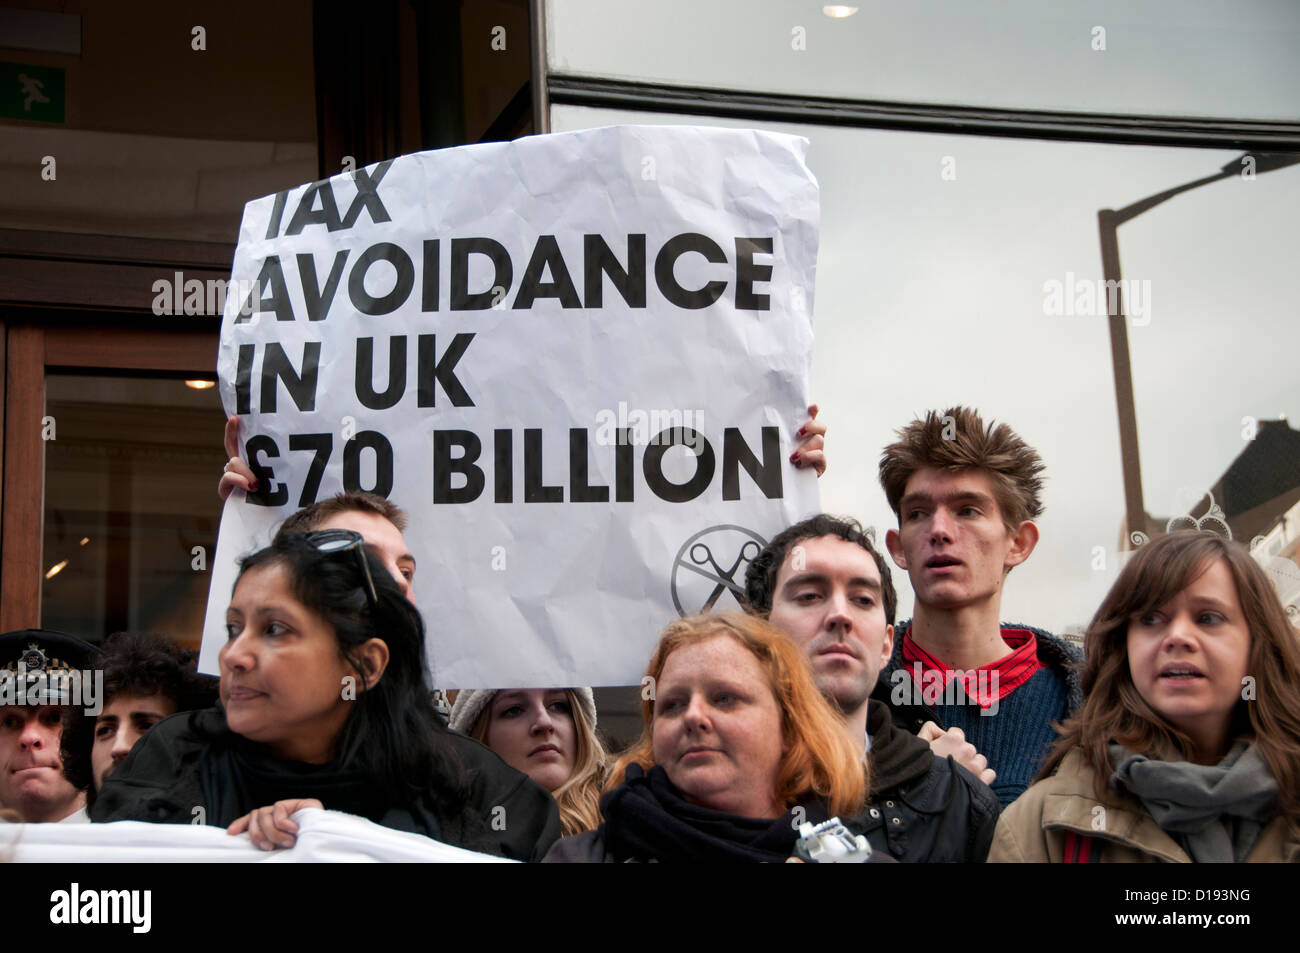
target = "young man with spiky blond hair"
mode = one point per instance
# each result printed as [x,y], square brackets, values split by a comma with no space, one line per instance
[966,496]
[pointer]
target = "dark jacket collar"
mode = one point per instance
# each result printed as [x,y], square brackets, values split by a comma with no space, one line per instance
[897,757]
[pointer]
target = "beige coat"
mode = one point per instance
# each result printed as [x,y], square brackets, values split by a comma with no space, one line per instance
[1033,829]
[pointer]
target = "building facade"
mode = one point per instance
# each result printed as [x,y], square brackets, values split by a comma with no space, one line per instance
[976,167]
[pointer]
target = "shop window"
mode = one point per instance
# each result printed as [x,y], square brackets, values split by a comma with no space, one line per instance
[1092,56]
[965,270]
[131,512]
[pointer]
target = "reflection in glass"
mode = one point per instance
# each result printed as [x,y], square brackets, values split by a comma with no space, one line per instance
[1230,60]
[130,509]
[965,270]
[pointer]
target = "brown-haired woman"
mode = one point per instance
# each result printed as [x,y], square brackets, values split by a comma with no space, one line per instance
[1187,747]
[738,748]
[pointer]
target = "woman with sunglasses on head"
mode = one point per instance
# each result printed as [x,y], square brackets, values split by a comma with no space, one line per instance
[739,750]
[324,703]
[1187,747]
[549,735]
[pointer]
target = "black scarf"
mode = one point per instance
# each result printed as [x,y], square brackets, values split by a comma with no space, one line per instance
[646,818]
[897,757]
[238,776]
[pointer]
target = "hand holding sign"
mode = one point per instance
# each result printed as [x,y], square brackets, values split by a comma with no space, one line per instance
[237,475]
[812,451]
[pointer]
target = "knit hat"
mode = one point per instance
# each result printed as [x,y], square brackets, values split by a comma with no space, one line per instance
[470,704]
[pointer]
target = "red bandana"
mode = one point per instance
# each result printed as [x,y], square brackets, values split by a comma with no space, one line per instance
[988,683]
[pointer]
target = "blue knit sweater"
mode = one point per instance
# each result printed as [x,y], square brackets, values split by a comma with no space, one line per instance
[1017,754]
[1015,739]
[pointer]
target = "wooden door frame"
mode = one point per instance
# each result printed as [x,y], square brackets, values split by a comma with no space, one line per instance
[72,302]
[31,351]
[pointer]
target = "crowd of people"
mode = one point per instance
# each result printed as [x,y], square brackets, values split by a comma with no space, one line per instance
[812,725]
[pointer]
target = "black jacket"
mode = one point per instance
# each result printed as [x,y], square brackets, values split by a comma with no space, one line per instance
[922,809]
[590,847]
[647,819]
[169,777]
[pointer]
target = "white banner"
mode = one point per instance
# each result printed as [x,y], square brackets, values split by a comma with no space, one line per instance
[578,361]
[322,836]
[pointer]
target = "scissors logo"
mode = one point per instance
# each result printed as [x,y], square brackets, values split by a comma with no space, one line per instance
[712,563]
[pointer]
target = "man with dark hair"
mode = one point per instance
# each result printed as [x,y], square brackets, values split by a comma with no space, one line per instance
[824,584]
[379,522]
[40,674]
[966,496]
[146,678]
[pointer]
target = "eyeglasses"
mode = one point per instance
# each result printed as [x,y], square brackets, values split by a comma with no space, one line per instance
[332,541]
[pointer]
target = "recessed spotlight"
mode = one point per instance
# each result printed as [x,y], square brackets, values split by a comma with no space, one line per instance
[838,11]
[55,569]
[201,385]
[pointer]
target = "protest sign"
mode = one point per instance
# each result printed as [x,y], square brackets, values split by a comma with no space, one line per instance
[578,361]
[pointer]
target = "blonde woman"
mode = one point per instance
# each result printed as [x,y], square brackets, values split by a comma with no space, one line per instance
[547,733]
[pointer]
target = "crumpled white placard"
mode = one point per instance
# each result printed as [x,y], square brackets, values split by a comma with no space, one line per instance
[323,836]
[576,549]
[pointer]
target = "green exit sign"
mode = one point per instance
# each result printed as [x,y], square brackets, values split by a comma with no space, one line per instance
[36,93]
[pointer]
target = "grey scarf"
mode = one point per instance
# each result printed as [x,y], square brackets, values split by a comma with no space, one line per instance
[1215,810]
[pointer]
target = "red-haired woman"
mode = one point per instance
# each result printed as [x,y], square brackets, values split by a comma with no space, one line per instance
[739,748]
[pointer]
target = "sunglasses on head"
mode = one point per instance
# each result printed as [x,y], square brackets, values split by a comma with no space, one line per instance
[334,541]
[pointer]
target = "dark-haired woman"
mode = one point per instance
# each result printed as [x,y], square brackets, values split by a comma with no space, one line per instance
[1187,747]
[324,702]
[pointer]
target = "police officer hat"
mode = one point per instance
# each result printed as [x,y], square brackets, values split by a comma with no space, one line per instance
[42,650]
